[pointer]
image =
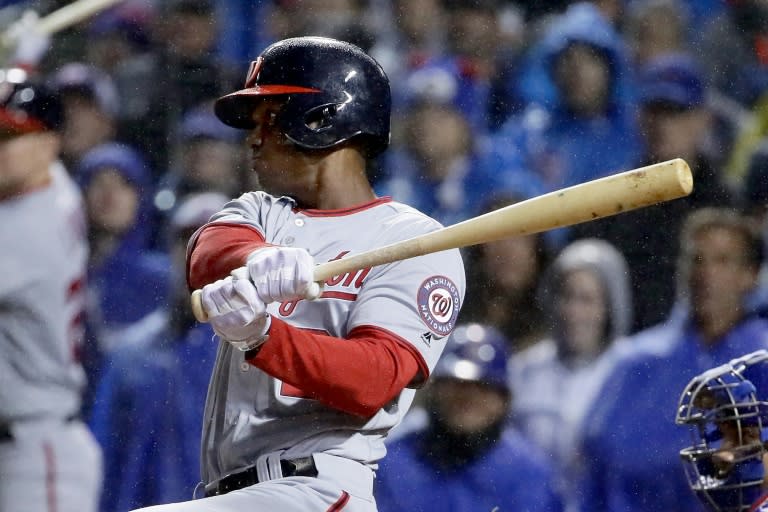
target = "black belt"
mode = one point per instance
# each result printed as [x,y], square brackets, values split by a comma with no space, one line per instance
[304,466]
[5,432]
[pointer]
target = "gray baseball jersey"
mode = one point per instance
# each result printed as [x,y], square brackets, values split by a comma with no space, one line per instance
[44,259]
[249,413]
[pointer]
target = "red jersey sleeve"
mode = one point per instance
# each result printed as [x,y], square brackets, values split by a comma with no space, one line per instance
[358,374]
[217,249]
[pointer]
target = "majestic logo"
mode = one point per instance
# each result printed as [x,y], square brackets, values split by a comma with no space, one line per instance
[438,303]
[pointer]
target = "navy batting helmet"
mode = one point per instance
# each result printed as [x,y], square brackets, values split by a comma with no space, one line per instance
[727,411]
[335,92]
[27,106]
[476,353]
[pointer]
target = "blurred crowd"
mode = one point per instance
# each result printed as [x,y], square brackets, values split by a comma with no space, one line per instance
[598,327]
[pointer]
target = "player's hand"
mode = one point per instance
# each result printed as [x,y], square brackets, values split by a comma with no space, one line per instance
[282,273]
[236,312]
[31,43]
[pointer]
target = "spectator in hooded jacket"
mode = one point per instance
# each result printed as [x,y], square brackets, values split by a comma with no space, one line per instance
[150,399]
[126,281]
[580,122]
[587,306]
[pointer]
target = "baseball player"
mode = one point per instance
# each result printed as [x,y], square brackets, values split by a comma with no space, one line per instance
[304,391]
[48,459]
[727,412]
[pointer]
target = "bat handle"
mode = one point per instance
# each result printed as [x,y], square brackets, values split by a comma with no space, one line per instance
[197,306]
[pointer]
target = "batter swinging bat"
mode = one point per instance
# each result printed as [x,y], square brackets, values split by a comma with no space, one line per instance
[602,197]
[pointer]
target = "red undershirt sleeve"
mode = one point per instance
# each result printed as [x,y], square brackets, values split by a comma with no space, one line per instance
[335,371]
[358,374]
[217,249]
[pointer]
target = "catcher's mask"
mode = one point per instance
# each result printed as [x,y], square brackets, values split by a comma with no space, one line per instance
[727,413]
[334,92]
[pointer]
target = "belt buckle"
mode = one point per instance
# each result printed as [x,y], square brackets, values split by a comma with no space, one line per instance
[288,467]
[304,466]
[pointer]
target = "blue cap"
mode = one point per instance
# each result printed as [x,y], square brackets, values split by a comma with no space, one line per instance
[202,123]
[673,80]
[195,210]
[90,81]
[475,353]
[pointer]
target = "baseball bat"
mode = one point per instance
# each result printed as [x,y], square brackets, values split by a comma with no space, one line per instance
[587,201]
[64,17]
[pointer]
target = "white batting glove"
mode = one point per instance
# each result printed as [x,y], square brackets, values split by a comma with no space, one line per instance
[282,273]
[31,42]
[236,312]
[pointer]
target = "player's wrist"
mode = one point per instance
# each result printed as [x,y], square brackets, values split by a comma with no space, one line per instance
[255,341]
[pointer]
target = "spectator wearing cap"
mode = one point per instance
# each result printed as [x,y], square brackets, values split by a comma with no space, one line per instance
[675,122]
[466,458]
[434,165]
[90,104]
[127,281]
[152,456]
[208,156]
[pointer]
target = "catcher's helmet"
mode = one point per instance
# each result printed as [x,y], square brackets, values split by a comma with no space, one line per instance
[335,92]
[476,353]
[727,411]
[27,106]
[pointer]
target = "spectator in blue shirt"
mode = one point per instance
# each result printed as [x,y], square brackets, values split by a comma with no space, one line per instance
[580,122]
[149,402]
[466,459]
[631,441]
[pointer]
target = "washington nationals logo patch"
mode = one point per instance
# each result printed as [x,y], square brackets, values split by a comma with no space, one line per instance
[438,303]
